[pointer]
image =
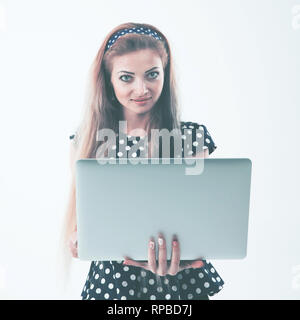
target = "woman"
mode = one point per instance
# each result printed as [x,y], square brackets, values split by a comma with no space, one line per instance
[132,80]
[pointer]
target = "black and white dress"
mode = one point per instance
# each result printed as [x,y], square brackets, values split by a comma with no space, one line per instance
[114,281]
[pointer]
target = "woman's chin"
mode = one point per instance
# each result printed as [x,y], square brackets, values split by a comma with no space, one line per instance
[138,110]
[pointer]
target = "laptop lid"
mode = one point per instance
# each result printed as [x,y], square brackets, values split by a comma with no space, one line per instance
[120,205]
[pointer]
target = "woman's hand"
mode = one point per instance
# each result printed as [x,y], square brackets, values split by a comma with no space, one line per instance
[73,244]
[162,268]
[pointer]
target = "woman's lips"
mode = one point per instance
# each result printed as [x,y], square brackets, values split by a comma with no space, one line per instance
[141,102]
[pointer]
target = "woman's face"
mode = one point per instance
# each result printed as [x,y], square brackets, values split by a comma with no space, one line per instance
[138,76]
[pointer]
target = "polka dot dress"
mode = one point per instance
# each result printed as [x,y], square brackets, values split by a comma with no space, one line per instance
[111,280]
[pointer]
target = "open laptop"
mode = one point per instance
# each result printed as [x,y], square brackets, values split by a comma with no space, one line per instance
[119,206]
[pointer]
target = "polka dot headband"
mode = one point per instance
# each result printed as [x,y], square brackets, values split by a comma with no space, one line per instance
[140,30]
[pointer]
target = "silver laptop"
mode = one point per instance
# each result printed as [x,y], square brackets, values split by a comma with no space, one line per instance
[119,206]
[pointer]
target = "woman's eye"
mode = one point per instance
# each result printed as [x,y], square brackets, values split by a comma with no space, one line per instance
[155,74]
[125,75]
[151,75]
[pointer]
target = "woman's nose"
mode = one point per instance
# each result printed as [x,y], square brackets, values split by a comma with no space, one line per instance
[141,88]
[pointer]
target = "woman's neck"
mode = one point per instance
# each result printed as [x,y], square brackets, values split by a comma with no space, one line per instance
[137,124]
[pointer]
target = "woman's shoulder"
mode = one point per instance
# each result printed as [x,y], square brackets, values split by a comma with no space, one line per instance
[192,125]
[198,130]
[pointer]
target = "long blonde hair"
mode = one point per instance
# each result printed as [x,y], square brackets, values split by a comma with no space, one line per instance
[102,110]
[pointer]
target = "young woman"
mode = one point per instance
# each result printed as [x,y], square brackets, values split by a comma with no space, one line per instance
[132,80]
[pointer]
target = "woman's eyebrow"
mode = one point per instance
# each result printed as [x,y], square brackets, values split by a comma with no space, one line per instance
[133,72]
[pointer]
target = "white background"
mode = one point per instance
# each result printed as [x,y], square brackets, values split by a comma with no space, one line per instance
[237,65]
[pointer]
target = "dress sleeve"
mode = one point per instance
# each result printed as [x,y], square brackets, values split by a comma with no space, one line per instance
[74,138]
[211,280]
[208,140]
[200,135]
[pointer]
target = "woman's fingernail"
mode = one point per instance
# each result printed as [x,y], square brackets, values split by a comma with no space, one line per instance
[175,243]
[199,264]
[151,245]
[160,241]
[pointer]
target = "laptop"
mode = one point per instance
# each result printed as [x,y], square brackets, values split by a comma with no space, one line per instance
[120,205]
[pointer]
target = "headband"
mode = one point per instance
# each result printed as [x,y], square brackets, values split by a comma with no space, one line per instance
[140,30]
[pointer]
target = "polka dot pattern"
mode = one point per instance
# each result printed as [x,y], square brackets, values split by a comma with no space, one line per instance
[200,139]
[137,283]
[140,30]
[195,138]
[114,281]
